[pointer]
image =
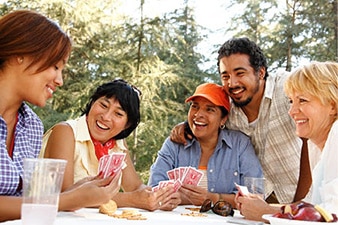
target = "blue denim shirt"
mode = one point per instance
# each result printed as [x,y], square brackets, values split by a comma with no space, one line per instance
[233,159]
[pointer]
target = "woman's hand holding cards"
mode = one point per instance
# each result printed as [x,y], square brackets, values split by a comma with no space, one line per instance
[111,164]
[192,194]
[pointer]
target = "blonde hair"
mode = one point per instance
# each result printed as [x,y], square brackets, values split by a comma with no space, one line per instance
[319,79]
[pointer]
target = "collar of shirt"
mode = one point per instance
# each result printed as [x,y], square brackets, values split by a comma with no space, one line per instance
[272,80]
[82,131]
[223,137]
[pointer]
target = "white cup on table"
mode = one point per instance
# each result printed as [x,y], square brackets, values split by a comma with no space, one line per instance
[255,185]
[42,180]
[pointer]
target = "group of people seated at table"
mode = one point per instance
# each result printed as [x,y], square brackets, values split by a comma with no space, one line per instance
[250,126]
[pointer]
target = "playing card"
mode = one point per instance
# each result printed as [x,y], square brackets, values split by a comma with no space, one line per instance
[103,163]
[171,174]
[183,171]
[192,176]
[110,164]
[177,185]
[180,175]
[161,184]
[242,190]
[156,188]
[165,183]
[177,174]
[115,163]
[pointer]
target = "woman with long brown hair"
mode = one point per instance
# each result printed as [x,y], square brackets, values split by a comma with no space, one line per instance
[34,51]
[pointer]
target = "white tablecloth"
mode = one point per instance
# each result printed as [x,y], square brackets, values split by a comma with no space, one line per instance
[91,216]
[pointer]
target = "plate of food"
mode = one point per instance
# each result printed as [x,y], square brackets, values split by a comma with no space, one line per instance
[302,214]
[283,221]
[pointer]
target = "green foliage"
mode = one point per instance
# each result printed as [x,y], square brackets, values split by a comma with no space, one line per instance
[156,54]
[49,116]
[302,30]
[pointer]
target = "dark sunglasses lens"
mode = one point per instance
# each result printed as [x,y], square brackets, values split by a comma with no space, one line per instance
[223,208]
[206,206]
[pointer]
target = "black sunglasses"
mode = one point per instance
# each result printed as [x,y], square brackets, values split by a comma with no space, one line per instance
[222,208]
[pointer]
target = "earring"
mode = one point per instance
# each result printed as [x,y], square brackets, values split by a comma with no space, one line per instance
[20,60]
[222,126]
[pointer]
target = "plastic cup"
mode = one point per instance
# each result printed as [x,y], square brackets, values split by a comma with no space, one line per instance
[42,180]
[255,185]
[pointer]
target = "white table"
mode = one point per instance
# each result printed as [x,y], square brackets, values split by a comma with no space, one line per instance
[91,216]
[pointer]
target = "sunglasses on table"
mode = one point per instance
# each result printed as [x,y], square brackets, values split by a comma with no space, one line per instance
[222,208]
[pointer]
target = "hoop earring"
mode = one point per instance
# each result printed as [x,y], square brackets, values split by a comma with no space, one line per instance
[222,126]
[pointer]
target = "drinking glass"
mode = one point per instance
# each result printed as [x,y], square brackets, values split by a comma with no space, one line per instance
[255,185]
[42,180]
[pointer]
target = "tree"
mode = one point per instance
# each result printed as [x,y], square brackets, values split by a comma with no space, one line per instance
[152,53]
[168,41]
[302,30]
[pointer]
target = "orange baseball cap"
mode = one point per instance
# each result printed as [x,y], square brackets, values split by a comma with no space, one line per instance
[214,93]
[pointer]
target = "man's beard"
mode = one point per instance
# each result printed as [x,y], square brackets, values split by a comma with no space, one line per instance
[245,102]
[242,103]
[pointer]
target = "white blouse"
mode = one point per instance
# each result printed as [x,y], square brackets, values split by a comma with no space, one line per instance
[325,173]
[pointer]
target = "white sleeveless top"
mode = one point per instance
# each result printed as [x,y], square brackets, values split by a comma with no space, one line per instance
[85,160]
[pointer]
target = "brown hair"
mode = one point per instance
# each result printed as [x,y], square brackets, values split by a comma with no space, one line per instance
[29,33]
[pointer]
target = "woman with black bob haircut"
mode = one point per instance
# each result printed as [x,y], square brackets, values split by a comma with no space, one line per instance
[112,113]
[129,98]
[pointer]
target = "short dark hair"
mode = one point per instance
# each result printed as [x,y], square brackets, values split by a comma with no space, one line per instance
[129,98]
[244,46]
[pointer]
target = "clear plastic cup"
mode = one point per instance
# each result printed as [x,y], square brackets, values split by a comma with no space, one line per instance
[255,185]
[42,181]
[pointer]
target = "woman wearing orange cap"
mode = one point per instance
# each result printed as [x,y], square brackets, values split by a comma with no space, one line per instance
[224,156]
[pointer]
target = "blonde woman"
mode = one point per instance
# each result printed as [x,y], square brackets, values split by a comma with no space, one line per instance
[313,94]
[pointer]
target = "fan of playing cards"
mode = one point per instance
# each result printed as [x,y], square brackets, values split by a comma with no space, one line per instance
[110,164]
[179,176]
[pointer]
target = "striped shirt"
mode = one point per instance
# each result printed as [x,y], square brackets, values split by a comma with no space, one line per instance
[27,144]
[274,139]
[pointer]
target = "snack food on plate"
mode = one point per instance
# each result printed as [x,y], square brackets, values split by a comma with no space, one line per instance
[306,212]
[109,208]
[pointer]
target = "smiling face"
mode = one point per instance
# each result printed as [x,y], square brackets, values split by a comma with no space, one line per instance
[240,80]
[313,118]
[205,118]
[106,119]
[37,88]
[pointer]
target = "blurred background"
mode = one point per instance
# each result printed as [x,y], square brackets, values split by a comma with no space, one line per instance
[168,47]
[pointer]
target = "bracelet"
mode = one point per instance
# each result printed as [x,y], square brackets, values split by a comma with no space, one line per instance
[220,197]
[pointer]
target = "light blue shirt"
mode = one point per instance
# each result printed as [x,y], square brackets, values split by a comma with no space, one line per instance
[233,159]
